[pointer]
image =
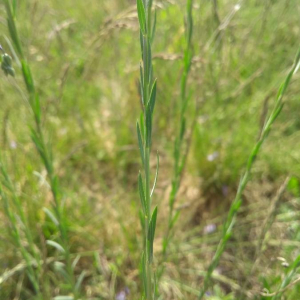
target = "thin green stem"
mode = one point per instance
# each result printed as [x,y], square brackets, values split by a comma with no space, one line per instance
[261,240]
[234,208]
[144,130]
[179,158]
[6,181]
[39,140]
[287,279]
[32,274]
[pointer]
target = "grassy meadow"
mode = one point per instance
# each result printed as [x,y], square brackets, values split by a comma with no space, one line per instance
[225,127]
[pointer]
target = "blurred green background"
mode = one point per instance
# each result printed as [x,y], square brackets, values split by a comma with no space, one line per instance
[85,58]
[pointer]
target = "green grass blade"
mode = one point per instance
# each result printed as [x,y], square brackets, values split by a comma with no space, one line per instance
[151,102]
[156,175]
[56,246]
[141,15]
[231,217]
[148,126]
[51,216]
[141,143]
[151,234]
[142,194]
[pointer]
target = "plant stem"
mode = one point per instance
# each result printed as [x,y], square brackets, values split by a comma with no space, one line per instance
[144,131]
[231,217]
[15,232]
[38,138]
[179,158]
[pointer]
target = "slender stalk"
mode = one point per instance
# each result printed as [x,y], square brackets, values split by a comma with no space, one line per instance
[16,235]
[179,156]
[18,225]
[262,235]
[287,279]
[6,181]
[144,132]
[38,138]
[234,208]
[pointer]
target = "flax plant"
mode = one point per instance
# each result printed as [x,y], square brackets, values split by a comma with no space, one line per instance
[43,148]
[179,156]
[19,227]
[144,133]
[11,201]
[234,208]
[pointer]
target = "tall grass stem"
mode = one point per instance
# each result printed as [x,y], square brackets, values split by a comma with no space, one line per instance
[179,156]
[144,132]
[38,138]
[234,208]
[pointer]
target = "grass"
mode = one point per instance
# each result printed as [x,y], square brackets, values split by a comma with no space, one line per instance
[237,202]
[84,61]
[144,132]
[16,229]
[44,150]
[179,156]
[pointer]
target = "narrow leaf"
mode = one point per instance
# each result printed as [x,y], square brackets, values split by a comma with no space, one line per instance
[36,140]
[75,262]
[142,85]
[141,15]
[79,281]
[55,245]
[13,52]
[175,218]
[149,62]
[151,233]
[152,99]
[51,216]
[142,125]
[142,194]
[276,113]
[27,76]
[182,129]
[59,267]
[153,28]
[141,42]
[156,175]
[37,108]
[12,28]
[148,127]
[141,144]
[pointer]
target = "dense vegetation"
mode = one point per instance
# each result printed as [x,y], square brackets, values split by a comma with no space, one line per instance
[199,198]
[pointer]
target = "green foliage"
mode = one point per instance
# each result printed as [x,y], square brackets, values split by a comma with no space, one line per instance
[38,139]
[148,94]
[69,190]
[235,206]
[11,201]
[180,155]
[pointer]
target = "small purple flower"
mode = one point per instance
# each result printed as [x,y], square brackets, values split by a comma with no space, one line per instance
[210,228]
[225,190]
[122,295]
